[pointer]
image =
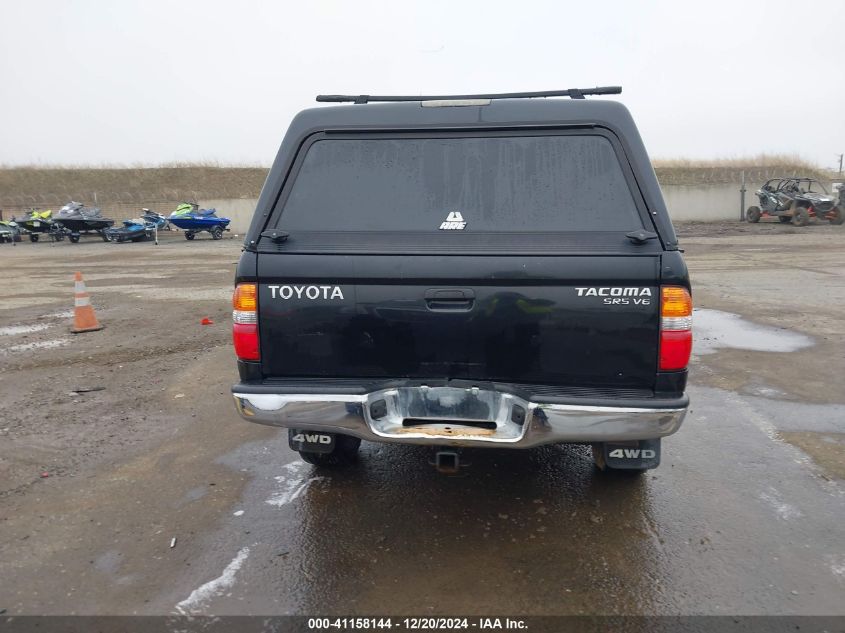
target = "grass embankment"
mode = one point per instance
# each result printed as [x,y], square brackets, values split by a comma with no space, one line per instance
[682,171]
[52,186]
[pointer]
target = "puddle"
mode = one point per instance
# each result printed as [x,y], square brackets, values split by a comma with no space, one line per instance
[714,330]
[826,449]
[108,562]
[764,391]
[28,347]
[11,330]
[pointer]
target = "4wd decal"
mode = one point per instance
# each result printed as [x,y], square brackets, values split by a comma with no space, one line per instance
[311,441]
[632,453]
[618,295]
[312,438]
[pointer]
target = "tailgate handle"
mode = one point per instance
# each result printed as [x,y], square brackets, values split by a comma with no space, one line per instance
[449,298]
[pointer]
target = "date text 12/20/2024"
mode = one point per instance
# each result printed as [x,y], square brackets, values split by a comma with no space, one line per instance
[416,624]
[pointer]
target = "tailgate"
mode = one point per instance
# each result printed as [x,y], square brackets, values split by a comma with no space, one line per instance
[588,320]
[484,255]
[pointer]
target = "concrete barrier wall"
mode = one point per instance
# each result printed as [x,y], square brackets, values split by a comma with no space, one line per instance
[702,203]
[239,210]
[707,203]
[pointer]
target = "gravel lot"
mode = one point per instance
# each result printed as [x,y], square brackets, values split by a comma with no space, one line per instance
[114,443]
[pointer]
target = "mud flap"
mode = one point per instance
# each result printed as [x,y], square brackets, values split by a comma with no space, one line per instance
[636,455]
[311,441]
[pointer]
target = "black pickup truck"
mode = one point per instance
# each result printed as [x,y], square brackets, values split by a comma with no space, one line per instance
[470,271]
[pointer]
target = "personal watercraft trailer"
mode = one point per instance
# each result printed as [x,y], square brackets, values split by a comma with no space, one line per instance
[10,232]
[134,230]
[189,217]
[37,223]
[75,220]
[159,221]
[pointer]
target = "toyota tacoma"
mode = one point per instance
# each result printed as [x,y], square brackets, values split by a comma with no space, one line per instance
[464,271]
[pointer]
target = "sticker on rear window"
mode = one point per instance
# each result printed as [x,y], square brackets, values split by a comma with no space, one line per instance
[454,222]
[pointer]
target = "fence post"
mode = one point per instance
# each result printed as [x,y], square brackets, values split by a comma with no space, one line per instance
[742,191]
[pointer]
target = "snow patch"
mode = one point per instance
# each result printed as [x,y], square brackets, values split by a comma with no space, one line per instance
[291,486]
[12,330]
[837,567]
[28,347]
[206,592]
[784,510]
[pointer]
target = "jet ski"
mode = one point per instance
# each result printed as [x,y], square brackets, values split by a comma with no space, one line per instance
[9,232]
[36,222]
[134,230]
[158,220]
[77,219]
[193,220]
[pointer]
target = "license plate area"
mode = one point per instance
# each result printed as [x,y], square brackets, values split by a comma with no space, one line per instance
[479,424]
[448,413]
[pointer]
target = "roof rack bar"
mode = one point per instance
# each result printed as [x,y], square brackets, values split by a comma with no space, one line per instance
[572,93]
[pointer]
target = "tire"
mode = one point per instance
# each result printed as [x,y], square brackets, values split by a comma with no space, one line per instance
[753,215]
[216,233]
[105,236]
[345,453]
[74,239]
[33,237]
[836,216]
[784,219]
[189,235]
[800,216]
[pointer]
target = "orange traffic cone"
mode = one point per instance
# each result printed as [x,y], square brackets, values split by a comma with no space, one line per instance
[84,319]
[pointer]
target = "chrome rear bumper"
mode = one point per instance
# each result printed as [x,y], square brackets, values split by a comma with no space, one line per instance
[453,416]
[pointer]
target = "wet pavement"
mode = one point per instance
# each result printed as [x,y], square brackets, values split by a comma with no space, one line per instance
[733,522]
[715,329]
[744,516]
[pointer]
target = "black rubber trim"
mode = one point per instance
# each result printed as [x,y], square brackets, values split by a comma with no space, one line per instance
[249,371]
[671,382]
[449,242]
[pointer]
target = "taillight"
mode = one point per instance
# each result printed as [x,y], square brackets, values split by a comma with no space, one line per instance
[675,327]
[245,321]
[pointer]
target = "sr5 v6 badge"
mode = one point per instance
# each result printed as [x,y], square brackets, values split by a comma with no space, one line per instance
[618,295]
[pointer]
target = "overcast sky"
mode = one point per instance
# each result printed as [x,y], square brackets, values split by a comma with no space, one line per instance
[156,81]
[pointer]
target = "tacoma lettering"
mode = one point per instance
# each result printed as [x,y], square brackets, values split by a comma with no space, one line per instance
[613,292]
